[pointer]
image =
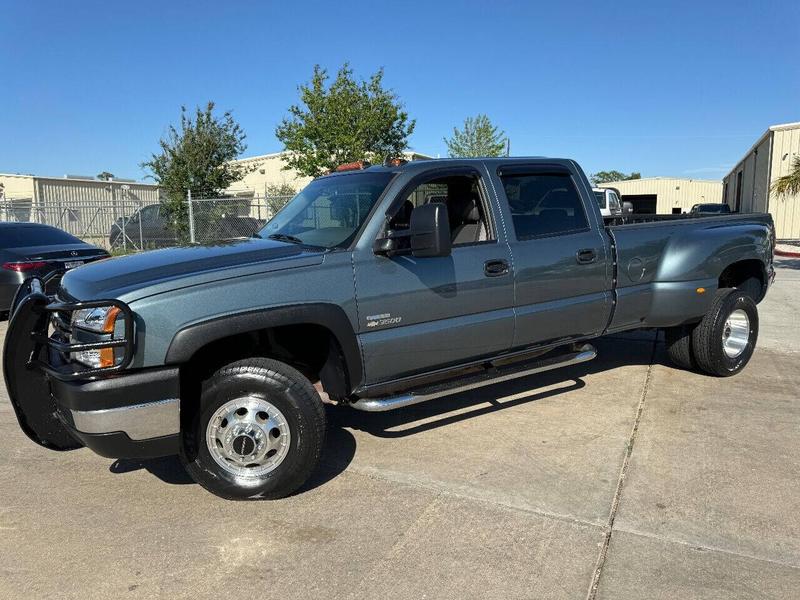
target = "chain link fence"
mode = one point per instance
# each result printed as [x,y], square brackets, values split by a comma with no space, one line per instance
[216,219]
[132,225]
[97,222]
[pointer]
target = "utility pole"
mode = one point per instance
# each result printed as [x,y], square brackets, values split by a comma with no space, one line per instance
[508,147]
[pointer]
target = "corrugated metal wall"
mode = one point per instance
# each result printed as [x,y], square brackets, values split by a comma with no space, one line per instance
[49,192]
[785,211]
[760,168]
[671,192]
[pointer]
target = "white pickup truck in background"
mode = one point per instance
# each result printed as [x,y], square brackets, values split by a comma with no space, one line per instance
[608,201]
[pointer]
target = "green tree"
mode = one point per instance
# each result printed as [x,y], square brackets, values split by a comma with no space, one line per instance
[281,189]
[344,122]
[789,185]
[478,138]
[609,176]
[278,194]
[105,176]
[196,155]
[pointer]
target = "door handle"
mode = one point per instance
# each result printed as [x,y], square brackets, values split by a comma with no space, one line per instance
[495,268]
[586,256]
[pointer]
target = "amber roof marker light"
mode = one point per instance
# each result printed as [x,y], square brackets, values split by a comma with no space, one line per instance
[358,165]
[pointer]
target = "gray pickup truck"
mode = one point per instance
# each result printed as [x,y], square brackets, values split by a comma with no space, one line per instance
[375,288]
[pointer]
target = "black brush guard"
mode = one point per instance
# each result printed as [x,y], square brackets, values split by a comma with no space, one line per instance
[31,356]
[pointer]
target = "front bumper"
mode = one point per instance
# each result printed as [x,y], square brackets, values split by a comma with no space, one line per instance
[135,415]
[116,413]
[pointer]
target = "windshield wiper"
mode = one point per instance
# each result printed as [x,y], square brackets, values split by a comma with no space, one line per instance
[285,237]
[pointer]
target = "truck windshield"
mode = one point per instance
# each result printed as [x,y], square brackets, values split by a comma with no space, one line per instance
[601,199]
[329,211]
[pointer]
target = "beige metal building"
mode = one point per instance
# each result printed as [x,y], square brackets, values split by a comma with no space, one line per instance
[85,207]
[69,191]
[747,186]
[267,171]
[666,195]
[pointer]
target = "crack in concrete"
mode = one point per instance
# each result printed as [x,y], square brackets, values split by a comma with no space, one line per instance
[705,548]
[612,515]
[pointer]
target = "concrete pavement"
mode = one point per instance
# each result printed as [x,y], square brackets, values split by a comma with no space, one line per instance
[620,478]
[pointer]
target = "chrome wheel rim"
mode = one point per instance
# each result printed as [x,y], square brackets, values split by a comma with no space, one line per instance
[248,437]
[736,333]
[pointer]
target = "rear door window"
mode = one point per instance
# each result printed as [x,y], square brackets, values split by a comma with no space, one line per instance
[544,204]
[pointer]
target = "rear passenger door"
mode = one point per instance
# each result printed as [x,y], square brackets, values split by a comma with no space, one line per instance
[561,266]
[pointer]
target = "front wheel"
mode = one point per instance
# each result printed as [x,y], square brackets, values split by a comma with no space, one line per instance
[724,341]
[258,432]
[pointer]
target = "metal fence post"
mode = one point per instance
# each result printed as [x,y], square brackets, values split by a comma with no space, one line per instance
[124,218]
[191,215]
[139,206]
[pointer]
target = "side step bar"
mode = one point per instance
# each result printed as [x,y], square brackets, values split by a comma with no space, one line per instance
[585,353]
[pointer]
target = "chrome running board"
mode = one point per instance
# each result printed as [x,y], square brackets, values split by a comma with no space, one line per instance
[470,382]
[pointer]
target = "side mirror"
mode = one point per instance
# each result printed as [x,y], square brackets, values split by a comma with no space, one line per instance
[627,208]
[430,231]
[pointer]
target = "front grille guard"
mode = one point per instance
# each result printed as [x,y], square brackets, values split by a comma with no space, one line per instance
[33,291]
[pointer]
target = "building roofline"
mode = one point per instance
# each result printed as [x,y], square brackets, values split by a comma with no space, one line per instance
[80,179]
[660,179]
[761,138]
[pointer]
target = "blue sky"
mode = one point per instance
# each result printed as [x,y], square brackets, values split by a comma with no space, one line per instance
[670,88]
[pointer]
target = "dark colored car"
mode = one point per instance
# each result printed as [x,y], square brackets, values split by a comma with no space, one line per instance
[710,209]
[34,250]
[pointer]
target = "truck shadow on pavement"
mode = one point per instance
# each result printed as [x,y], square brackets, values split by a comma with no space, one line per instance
[340,447]
[340,444]
[640,348]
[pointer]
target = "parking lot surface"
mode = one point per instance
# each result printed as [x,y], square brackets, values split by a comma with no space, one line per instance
[620,478]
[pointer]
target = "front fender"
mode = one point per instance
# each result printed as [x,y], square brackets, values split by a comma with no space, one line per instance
[188,340]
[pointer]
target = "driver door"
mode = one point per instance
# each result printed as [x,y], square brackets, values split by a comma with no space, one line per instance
[418,314]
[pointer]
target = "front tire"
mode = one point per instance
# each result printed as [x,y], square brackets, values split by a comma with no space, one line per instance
[724,341]
[258,432]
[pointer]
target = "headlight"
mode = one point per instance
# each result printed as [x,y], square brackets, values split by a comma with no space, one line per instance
[100,320]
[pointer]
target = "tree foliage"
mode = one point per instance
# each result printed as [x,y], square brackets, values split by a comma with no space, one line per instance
[281,189]
[278,194]
[609,176]
[105,176]
[344,122]
[789,185]
[479,137]
[196,156]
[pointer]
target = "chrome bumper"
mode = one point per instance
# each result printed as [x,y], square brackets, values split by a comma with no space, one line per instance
[138,422]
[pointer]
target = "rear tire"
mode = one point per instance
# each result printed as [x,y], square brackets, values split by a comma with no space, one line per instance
[679,346]
[724,341]
[258,432]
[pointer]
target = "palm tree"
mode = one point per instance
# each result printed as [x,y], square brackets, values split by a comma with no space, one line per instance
[789,185]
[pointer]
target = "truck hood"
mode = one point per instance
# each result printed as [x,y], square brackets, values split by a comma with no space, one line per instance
[138,275]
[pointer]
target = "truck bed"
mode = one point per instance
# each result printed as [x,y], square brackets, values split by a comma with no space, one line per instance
[661,259]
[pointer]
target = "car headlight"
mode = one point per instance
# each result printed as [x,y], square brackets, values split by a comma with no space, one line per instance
[102,320]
